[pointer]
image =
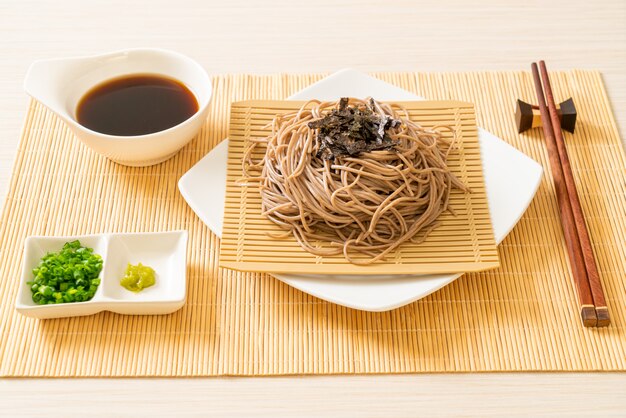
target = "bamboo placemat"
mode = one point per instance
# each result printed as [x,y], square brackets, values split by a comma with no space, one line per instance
[463,241]
[522,316]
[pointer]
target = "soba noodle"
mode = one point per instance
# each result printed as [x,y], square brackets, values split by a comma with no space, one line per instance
[366,205]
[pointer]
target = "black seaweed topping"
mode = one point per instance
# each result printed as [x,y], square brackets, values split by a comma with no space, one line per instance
[351,130]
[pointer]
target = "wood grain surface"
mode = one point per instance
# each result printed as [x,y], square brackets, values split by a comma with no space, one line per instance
[322,36]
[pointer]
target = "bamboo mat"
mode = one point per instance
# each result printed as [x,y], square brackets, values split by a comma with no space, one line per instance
[463,241]
[522,316]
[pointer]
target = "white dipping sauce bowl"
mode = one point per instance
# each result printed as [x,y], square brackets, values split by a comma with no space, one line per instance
[59,84]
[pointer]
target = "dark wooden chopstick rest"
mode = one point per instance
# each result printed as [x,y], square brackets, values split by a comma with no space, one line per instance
[528,116]
[593,308]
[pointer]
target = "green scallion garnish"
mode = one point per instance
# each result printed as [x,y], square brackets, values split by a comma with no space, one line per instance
[70,275]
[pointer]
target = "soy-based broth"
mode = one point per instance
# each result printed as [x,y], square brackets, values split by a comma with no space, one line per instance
[136,105]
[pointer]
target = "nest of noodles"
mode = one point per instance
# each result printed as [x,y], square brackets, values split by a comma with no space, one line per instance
[363,196]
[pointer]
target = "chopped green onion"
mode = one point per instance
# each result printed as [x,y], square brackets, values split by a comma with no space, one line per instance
[70,275]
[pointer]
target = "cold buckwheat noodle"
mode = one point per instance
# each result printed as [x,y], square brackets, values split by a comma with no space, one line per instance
[365,206]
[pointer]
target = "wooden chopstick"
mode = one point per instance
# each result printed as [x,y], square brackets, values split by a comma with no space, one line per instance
[587,308]
[594,310]
[593,276]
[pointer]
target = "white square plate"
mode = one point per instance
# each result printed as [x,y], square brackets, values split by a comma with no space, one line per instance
[511,180]
[165,252]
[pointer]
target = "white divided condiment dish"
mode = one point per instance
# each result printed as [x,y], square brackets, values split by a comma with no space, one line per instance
[165,252]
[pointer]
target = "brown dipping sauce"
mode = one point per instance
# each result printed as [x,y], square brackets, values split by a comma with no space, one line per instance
[136,105]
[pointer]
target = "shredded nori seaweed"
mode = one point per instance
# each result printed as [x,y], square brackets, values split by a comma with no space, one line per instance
[352,130]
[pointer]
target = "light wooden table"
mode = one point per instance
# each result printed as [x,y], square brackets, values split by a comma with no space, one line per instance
[319,36]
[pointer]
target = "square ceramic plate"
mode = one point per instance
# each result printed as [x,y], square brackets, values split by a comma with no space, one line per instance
[511,179]
[165,252]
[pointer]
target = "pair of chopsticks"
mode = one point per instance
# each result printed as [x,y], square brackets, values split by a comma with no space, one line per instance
[593,308]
